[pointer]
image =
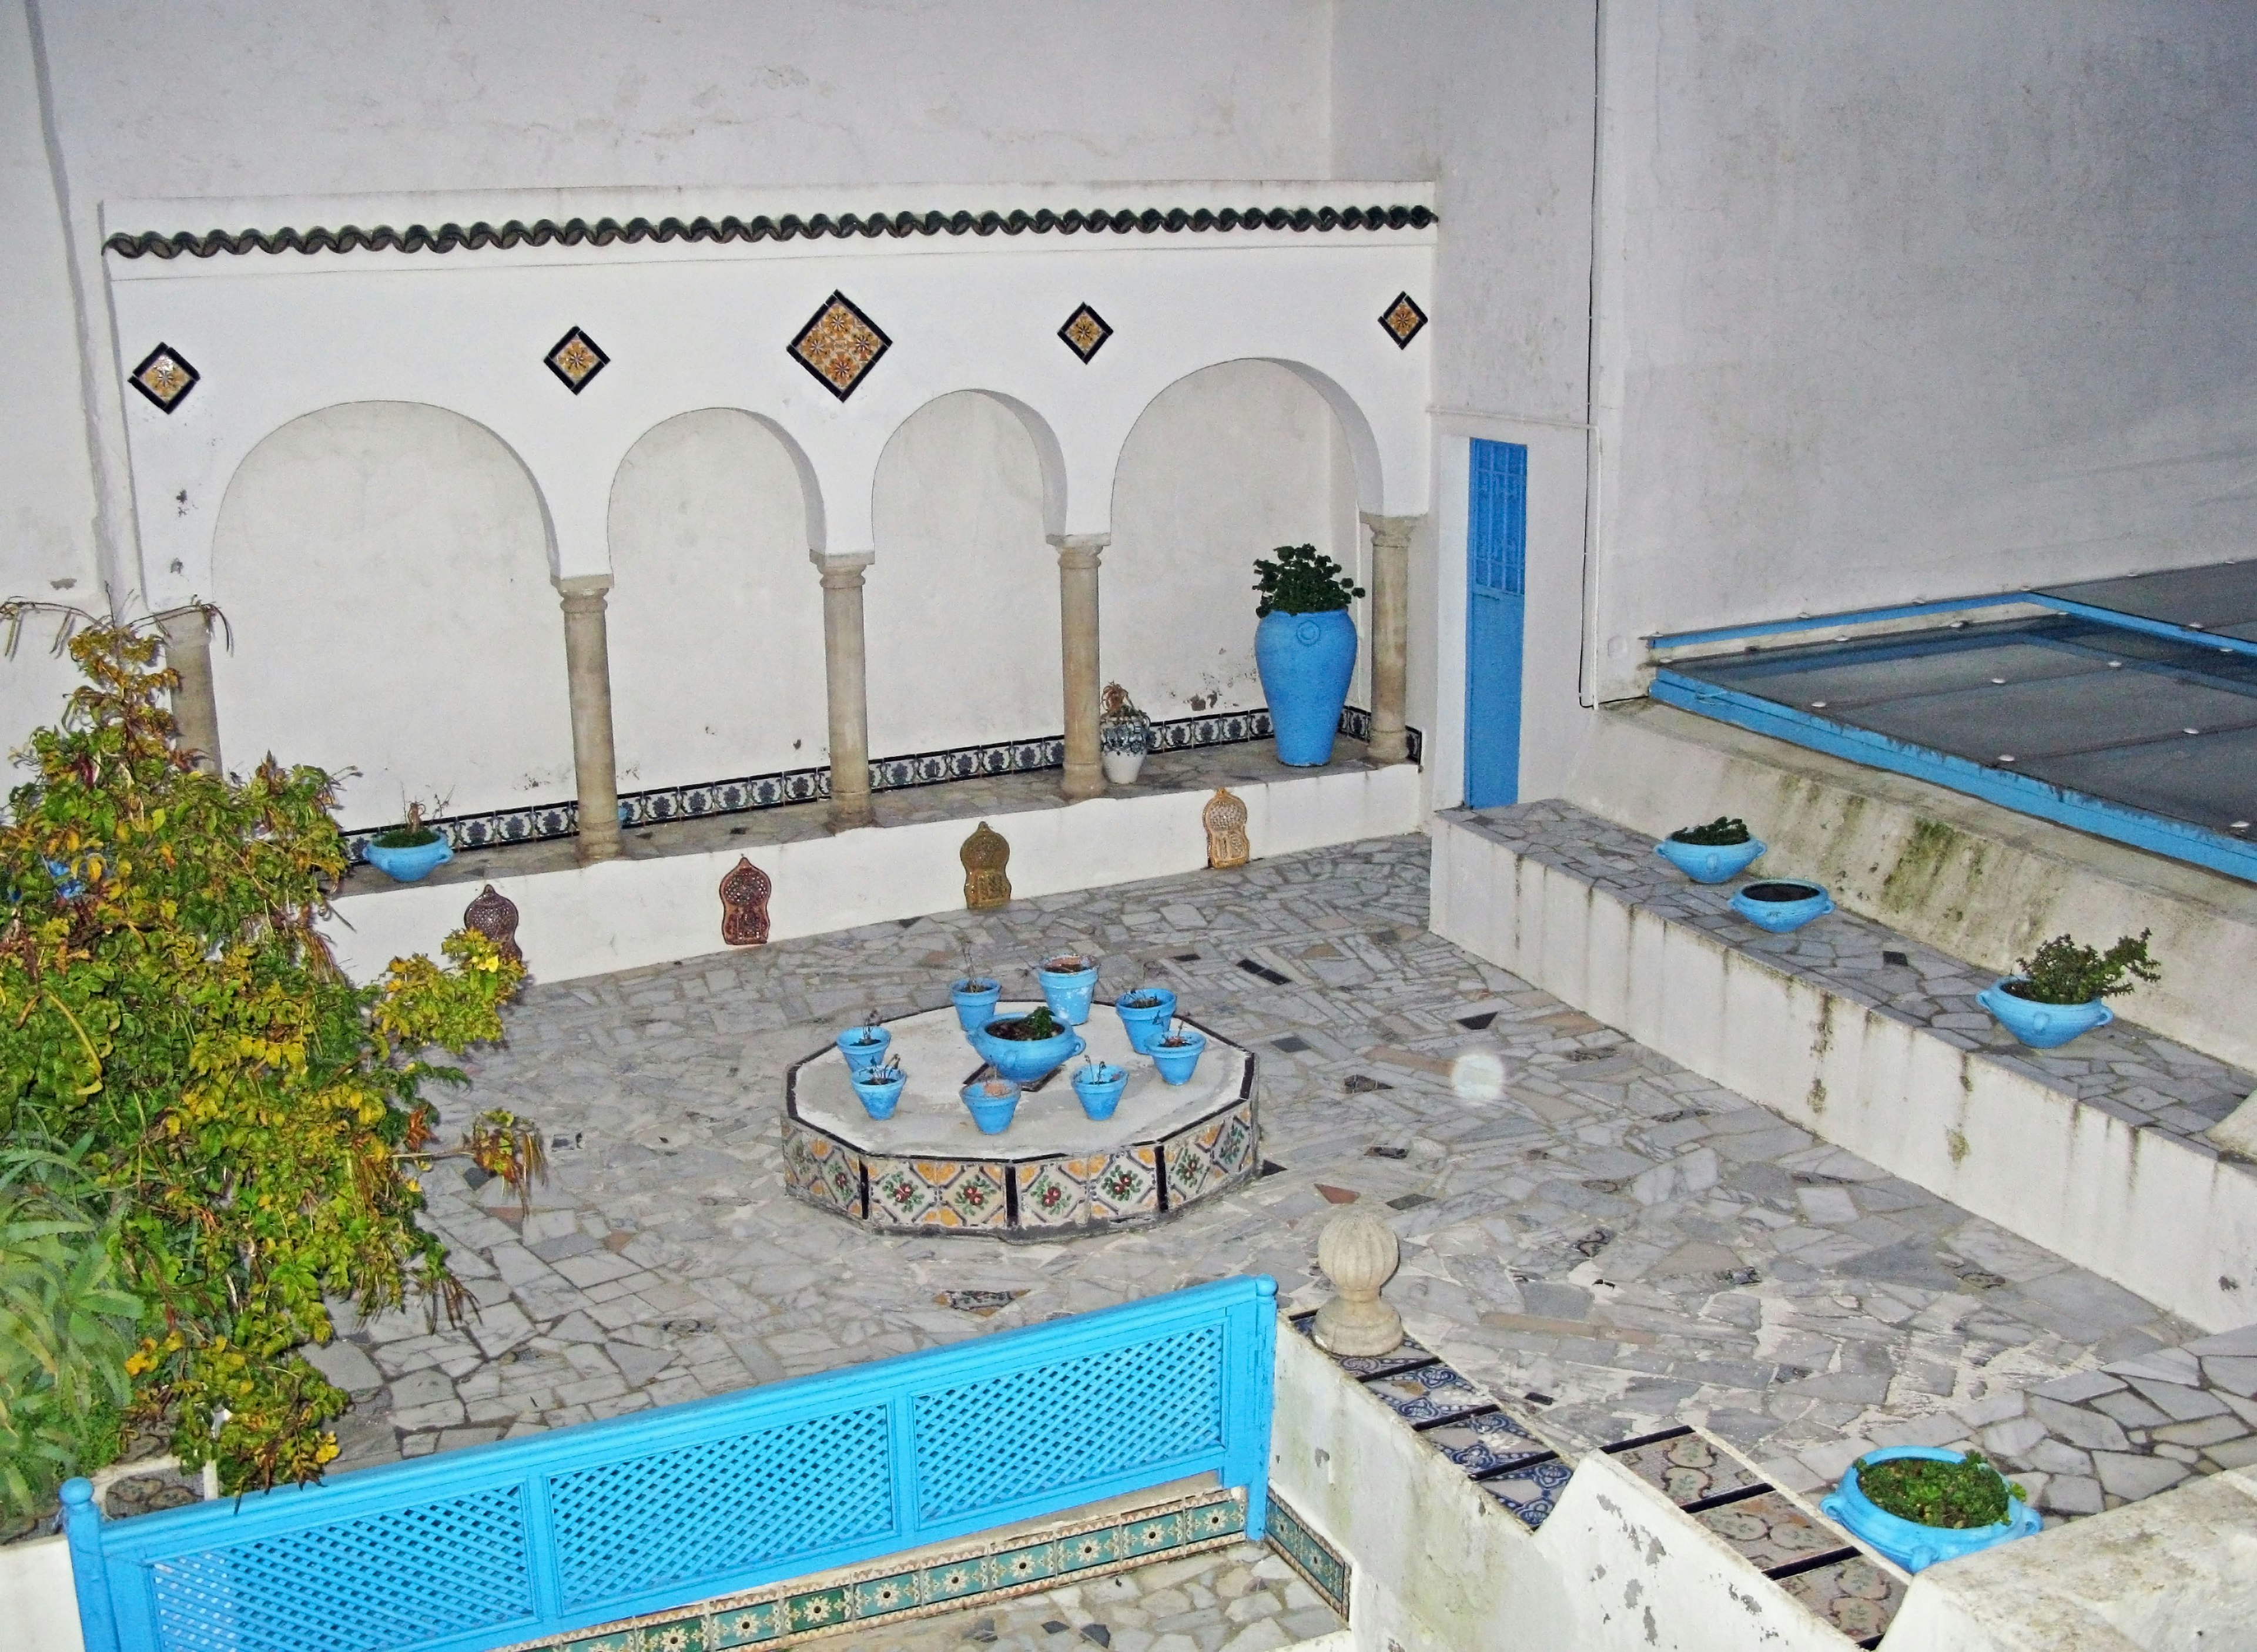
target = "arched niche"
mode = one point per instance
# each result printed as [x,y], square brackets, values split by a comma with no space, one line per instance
[1222,466]
[384,566]
[716,614]
[961,608]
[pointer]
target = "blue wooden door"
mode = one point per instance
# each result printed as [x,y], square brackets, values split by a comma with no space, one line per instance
[1497,597]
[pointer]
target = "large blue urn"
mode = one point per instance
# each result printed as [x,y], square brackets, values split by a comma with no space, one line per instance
[1305,661]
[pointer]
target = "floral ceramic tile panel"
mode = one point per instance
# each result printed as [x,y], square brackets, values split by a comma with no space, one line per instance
[1687,1468]
[1485,1441]
[1856,1596]
[1531,1492]
[576,360]
[165,378]
[1128,1185]
[839,345]
[1055,1193]
[1770,1530]
[1428,1394]
[1324,1571]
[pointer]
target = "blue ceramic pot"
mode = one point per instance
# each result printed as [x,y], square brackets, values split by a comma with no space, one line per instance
[1099,1085]
[1142,1024]
[975,1002]
[405,866]
[1177,1062]
[859,1053]
[1906,1541]
[1020,1060]
[990,1111]
[1068,993]
[879,1096]
[2041,1025]
[1305,661]
[1709,862]
[1779,912]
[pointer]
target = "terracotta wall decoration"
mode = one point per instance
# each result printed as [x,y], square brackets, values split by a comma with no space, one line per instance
[984,856]
[1224,817]
[744,905]
[493,914]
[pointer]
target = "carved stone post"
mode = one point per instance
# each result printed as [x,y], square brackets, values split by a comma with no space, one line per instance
[196,709]
[1358,1253]
[847,684]
[588,678]
[1078,559]
[1391,633]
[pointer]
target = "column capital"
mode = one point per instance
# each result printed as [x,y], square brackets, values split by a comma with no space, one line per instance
[1079,550]
[841,559]
[583,586]
[1399,528]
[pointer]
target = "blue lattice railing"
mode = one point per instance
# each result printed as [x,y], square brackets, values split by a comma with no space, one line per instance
[510,1541]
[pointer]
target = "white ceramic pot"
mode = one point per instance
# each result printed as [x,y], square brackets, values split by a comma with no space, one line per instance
[1122,767]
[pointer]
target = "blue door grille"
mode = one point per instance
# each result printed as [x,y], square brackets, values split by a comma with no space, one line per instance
[522,1539]
[1497,604]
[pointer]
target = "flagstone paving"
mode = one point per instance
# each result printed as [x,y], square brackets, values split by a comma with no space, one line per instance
[1608,1242]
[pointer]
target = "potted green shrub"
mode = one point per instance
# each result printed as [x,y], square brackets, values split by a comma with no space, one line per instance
[408,851]
[1124,737]
[1305,649]
[2057,994]
[1716,853]
[1918,1505]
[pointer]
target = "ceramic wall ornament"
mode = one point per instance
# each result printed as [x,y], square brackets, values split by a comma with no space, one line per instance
[493,914]
[1225,818]
[984,856]
[744,905]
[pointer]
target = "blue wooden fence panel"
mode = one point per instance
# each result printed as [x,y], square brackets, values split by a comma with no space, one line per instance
[504,1543]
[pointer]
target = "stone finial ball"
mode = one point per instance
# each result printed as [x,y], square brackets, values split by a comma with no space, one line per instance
[1358,1253]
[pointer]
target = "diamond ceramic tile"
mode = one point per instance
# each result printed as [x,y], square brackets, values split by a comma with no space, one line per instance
[1055,1194]
[1192,1169]
[747,1626]
[1128,1185]
[816,1609]
[1091,1549]
[1856,1596]
[1235,1147]
[975,1198]
[839,345]
[821,1170]
[900,1196]
[1770,1530]
[1687,1468]
[1150,1537]
[1085,332]
[1485,1441]
[1403,319]
[1531,1491]
[165,377]
[576,359]
[1016,1566]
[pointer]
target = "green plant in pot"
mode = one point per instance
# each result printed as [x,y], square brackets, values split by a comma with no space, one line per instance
[1918,1505]
[1124,737]
[409,850]
[1305,649]
[2056,993]
[1714,852]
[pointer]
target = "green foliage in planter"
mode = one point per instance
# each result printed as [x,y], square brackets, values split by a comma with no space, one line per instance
[1932,1493]
[2061,971]
[1301,581]
[251,1119]
[1032,1028]
[1725,829]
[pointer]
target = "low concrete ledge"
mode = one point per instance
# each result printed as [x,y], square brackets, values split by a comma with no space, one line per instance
[622,915]
[2077,1150]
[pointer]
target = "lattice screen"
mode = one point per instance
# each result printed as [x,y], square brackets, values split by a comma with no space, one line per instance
[985,1443]
[399,1578]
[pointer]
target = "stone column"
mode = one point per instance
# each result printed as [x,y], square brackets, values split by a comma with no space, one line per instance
[196,709]
[1391,633]
[587,679]
[847,684]
[1078,559]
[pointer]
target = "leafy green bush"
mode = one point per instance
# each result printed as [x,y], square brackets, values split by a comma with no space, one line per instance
[1933,1492]
[1725,829]
[2061,971]
[1301,581]
[252,1119]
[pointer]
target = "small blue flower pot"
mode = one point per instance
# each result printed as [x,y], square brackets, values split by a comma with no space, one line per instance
[1143,1024]
[1068,993]
[992,1112]
[879,1096]
[975,1002]
[1906,1541]
[1305,661]
[860,1053]
[2041,1025]
[1024,1061]
[1177,1062]
[1099,1085]
[405,866]
[1709,862]
[1781,911]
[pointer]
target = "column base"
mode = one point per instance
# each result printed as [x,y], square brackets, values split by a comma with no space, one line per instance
[848,813]
[602,846]
[1388,746]
[1082,781]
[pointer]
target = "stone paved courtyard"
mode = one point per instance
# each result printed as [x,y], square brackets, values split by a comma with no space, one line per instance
[1606,1241]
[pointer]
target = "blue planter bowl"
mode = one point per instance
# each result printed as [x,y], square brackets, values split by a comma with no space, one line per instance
[1305,661]
[1709,862]
[975,1004]
[859,1055]
[1021,1061]
[1099,1086]
[1068,993]
[2041,1025]
[878,1099]
[1142,1025]
[1906,1541]
[1177,1063]
[405,866]
[1780,915]
[992,1112]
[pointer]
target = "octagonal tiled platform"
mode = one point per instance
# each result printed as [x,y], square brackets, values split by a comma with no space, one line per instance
[1054,1173]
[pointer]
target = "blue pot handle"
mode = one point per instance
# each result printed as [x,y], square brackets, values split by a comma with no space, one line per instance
[2106,1016]
[1080,1045]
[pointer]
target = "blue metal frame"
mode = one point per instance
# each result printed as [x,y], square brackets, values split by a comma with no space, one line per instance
[1960,604]
[116,1564]
[2025,794]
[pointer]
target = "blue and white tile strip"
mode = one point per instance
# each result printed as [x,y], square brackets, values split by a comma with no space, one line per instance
[664,803]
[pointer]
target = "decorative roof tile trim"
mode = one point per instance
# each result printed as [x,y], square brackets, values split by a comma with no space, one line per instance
[606,232]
